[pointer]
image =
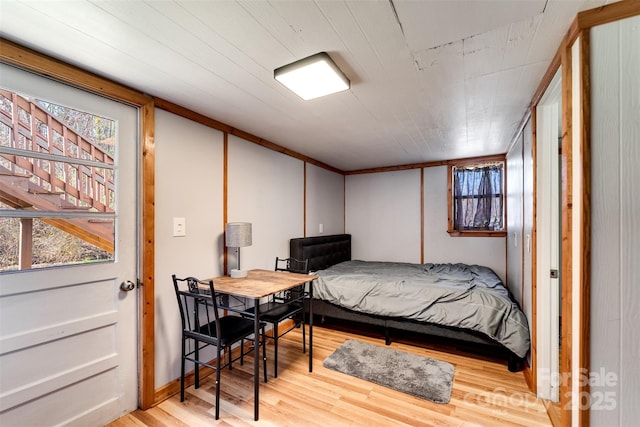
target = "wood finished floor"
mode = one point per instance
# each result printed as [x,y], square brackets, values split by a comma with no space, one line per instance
[484,393]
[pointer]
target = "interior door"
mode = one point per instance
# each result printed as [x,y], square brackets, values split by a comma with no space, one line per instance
[68,347]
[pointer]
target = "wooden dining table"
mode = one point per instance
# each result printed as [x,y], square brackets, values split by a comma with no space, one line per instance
[261,284]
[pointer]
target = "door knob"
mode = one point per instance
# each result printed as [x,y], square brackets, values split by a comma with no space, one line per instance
[127,286]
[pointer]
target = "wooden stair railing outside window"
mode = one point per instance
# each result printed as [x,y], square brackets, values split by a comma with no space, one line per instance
[60,171]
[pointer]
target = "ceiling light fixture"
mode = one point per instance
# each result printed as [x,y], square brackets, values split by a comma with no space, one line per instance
[312,77]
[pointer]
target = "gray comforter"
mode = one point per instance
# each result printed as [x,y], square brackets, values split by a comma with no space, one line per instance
[458,295]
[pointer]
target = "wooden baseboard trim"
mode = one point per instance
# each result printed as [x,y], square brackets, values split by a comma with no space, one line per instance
[553,411]
[528,377]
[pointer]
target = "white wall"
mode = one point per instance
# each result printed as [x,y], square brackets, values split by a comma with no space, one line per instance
[189,159]
[439,246]
[383,215]
[325,201]
[615,204]
[520,222]
[266,188]
[515,217]
[527,285]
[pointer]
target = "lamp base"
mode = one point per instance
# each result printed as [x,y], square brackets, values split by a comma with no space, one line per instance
[238,274]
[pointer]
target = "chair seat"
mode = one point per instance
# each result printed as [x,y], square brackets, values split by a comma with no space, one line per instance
[233,327]
[275,312]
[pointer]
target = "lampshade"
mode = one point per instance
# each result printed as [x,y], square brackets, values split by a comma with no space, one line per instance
[238,234]
[312,77]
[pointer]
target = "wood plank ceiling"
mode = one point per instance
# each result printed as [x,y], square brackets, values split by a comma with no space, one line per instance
[430,80]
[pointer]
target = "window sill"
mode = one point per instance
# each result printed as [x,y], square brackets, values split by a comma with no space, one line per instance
[457,233]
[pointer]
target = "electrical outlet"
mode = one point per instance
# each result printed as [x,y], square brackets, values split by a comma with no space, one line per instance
[179,227]
[321,228]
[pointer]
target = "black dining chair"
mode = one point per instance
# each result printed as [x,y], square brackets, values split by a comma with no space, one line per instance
[202,326]
[285,305]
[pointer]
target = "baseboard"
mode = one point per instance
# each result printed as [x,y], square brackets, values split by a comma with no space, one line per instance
[528,377]
[553,411]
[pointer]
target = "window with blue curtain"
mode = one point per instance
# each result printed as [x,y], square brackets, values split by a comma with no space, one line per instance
[478,202]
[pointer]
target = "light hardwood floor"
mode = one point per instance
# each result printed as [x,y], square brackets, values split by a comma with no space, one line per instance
[484,393]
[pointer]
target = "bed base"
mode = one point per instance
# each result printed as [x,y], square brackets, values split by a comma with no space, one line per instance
[473,340]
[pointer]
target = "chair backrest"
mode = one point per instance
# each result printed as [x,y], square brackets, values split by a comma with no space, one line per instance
[292,265]
[198,306]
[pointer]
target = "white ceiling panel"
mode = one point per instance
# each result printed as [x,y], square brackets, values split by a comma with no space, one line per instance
[519,41]
[428,24]
[430,80]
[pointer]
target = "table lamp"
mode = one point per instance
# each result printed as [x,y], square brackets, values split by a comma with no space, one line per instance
[238,235]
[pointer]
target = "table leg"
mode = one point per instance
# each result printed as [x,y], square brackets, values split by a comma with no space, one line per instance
[256,355]
[310,326]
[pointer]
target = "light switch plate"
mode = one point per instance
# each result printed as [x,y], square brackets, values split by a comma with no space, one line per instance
[179,227]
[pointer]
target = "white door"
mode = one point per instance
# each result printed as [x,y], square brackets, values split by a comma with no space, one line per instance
[68,347]
[548,247]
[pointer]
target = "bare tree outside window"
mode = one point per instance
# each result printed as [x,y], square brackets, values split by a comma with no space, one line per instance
[99,130]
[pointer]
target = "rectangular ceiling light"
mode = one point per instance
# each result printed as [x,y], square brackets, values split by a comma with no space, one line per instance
[312,77]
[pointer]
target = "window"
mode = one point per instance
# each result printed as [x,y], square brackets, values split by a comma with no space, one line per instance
[476,193]
[57,184]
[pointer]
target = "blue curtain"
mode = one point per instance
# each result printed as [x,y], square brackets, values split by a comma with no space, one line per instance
[478,202]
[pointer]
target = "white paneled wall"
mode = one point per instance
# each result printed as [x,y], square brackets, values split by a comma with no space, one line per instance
[266,188]
[189,174]
[615,205]
[520,222]
[383,215]
[439,246]
[515,216]
[325,202]
[527,233]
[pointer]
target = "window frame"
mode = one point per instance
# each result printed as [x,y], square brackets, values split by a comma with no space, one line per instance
[450,197]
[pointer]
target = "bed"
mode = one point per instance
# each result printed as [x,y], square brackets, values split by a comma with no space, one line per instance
[454,301]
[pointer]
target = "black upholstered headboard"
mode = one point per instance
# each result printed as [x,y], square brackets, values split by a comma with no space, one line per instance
[321,251]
